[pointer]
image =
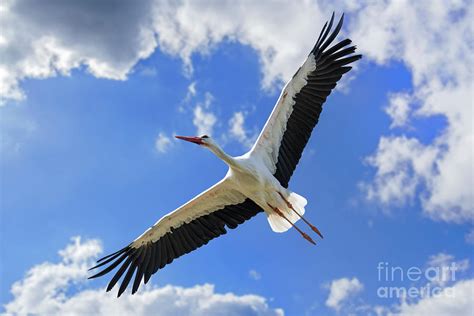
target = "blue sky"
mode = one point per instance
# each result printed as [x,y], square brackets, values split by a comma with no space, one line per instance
[79,158]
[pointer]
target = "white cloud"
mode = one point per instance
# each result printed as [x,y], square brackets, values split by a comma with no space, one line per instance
[162,143]
[42,290]
[399,108]
[453,297]
[340,290]
[402,164]
[441,169]
[41,41]
[440,292]
[252,24]
[237,130]
[446,268]
[46,39]
[204,119]
[254,274]
[455,300]
[190,94]
[49,39]
[59,289]
[191,90]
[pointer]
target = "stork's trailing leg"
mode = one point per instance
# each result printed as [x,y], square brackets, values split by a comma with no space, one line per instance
[304,219]
[305,236]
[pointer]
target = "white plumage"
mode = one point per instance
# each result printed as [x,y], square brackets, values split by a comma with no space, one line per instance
[255,182]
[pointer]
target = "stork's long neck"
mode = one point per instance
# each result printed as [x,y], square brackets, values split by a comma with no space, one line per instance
[229,160]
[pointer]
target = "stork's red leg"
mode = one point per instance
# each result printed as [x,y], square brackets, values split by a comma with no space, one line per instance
[305,236]
[304,219]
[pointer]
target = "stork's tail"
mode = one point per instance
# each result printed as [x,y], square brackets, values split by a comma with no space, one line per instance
[280,224]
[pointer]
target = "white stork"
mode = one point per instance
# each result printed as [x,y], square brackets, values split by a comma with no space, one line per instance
[256,181]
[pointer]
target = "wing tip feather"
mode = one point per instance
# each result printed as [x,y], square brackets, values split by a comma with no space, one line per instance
[136,261]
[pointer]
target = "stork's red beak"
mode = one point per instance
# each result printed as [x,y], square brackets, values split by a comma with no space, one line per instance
[192,139]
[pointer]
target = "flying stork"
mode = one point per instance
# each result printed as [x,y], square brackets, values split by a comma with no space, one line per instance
[255,182]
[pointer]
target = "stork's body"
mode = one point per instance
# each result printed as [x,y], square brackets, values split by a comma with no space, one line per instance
[252,178]
[255,182]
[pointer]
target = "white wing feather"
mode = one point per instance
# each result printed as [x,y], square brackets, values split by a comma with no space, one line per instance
[268,142]
[215,198]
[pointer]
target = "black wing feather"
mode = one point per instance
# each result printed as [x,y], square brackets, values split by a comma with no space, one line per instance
[151,265]
[141,267]
[149,258]
[330,66]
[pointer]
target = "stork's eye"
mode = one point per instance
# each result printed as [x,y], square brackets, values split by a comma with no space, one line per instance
[204,136]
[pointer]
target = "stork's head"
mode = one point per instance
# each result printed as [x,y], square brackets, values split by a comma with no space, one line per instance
[203,140]
[208,142]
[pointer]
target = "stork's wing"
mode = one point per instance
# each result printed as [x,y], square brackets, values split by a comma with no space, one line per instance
[177,233]
[289,127]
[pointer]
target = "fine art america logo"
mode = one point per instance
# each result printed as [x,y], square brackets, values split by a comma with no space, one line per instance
[431,281]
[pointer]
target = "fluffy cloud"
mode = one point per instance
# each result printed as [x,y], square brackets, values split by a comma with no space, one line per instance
[58,289]
[44,39]
[340,290]
[442,86]
[42,290]
[252,24]
[445,303]
[444,263]
[452,300]
[191,91]
[446,293]
[237,130]
[162,143]
[402,164]
[399,109]
[204,119]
